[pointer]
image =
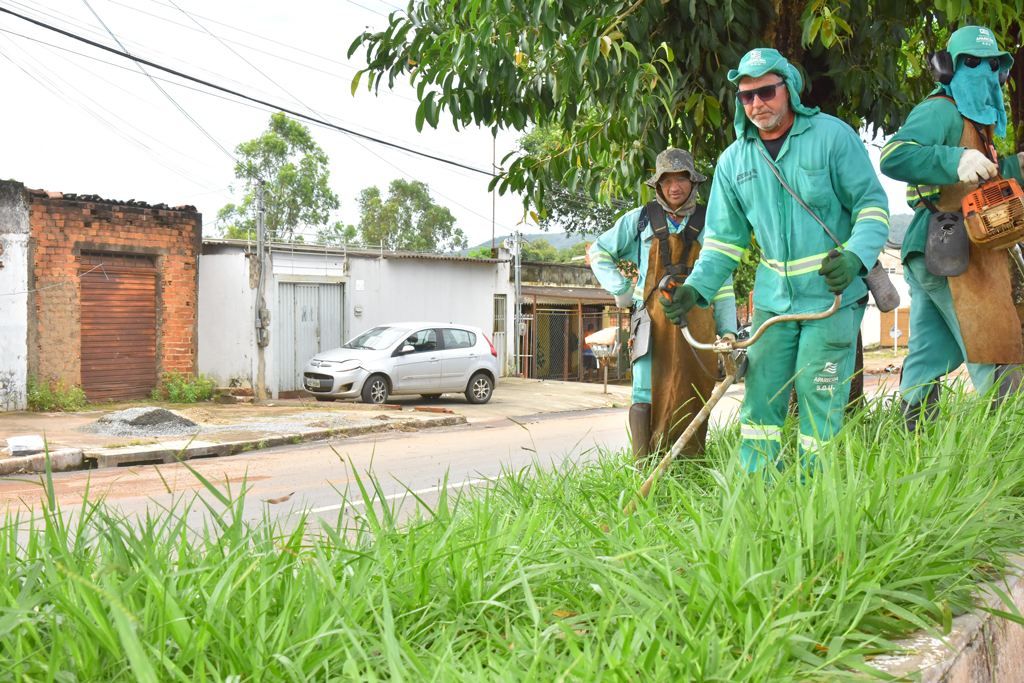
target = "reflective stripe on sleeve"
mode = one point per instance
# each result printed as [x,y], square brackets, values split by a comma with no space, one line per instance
[930,191]
[873,213]
[730,250]
[891,147]
[724,293]
[596,255]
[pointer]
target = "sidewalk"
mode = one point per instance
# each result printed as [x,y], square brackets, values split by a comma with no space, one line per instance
[234,428]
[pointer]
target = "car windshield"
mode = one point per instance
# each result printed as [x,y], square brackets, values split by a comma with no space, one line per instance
[378,338]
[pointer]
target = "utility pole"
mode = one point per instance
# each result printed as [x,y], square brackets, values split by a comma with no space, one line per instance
[494,191]
[518,310]
[262,313]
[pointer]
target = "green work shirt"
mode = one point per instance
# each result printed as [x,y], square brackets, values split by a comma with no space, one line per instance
[825,163]
[926,153]
[622,242]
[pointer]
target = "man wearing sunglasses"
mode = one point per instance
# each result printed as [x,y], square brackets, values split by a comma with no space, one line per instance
[826,165]
[669,381]
[942,152]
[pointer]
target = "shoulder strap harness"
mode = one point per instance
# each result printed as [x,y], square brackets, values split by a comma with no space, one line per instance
[654,215]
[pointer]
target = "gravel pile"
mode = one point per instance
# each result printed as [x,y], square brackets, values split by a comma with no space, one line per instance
[143,422]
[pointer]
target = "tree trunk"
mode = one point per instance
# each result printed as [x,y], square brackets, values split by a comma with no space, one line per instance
[1017,93]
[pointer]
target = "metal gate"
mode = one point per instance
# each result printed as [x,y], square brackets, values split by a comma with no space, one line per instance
[499,333]
[557,344]
[310,319]
[118,326]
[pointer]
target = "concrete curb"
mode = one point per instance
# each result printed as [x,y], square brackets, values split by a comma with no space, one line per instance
[173,451]
[60,460]
[982,649]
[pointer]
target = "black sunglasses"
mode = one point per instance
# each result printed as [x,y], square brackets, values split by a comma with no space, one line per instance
[765,93]
[971,62]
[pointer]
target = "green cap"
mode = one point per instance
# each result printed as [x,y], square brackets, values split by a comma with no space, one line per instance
[757,63]
[977,41]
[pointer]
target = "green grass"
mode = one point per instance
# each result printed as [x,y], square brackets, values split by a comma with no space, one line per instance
[721,577]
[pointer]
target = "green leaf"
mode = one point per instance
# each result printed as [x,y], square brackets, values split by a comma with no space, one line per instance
[714,111]
[355,82]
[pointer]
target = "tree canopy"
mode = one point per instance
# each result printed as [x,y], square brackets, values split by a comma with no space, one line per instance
[295,170]
[619,82]
[407,220]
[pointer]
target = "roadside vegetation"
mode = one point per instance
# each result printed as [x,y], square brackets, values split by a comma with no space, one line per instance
[721,577]
[53,395]
[183,388]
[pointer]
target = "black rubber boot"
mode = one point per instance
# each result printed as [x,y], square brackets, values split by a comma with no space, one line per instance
[1008,381]
[640,430]
[912,413]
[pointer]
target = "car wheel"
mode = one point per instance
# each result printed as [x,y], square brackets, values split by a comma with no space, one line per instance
[325,399]
[431,397]
[375,390]
[480,388]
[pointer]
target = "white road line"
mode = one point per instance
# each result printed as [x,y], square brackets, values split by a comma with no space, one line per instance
[362,501]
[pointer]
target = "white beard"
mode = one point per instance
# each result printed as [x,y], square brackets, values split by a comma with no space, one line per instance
[772,123]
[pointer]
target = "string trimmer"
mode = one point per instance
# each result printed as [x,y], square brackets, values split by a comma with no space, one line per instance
[734,354]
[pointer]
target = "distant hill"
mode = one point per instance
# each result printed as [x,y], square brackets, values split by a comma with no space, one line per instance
[559,240]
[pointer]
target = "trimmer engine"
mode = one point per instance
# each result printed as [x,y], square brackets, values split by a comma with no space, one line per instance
[994,214]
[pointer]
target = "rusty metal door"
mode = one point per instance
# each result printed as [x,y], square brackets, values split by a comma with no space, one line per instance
[118,326]
[309,320]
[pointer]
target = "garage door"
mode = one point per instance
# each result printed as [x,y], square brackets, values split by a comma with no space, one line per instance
[118,326]
[309,321]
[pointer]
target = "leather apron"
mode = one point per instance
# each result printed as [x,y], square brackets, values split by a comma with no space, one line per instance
[982,294]
[679,384]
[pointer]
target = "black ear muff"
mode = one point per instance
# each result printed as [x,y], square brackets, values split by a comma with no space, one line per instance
[1003,77]
[941,65]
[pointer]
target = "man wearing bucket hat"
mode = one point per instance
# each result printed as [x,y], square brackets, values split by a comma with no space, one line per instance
[961,302]
[663,238]
[824,163]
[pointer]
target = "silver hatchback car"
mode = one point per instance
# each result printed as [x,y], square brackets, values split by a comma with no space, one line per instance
[429,359]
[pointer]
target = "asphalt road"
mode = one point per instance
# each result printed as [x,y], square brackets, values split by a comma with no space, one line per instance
[315,476]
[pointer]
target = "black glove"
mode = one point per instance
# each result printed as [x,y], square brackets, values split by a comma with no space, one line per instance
[684,297]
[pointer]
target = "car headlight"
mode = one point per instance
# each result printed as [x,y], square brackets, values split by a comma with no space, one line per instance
[349,365]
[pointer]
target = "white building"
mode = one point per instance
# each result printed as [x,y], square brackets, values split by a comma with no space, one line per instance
[317,297]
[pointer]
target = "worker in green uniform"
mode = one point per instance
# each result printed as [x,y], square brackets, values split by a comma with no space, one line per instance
[826,165]
[933,155]
[632,238]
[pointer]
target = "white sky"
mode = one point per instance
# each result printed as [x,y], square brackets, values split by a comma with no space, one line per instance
[90,123]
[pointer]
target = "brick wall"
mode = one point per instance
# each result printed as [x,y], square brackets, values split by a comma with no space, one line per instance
[62,227]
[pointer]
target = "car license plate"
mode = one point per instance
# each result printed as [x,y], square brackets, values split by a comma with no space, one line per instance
[313,383]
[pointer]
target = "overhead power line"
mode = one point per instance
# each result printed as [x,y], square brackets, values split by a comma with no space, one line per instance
[158,87]
[270,105]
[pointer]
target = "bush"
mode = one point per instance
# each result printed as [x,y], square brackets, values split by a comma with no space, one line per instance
[187,388]
[52,395]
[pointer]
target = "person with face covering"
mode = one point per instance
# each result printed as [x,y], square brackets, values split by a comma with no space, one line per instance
[943,152]
[826,165]
[670,381]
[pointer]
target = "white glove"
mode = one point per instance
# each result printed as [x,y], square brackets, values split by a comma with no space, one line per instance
[975,167]
[624,300]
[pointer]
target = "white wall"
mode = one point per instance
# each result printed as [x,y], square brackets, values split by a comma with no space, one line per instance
[14,297]
[227,331]
[13,321]
[870,329]
[388,290]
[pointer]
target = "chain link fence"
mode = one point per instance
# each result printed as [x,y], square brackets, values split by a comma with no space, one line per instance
[554,344]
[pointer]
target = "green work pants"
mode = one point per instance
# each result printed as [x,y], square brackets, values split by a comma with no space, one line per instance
[642,378]
[936,346]
[818,358]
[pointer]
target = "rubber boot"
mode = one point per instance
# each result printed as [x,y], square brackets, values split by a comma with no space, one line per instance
[1008,381]
[912,413]
[640,429]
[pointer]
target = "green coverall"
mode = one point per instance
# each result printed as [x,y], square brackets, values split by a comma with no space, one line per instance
[825,163]
[622,242]
[925,152]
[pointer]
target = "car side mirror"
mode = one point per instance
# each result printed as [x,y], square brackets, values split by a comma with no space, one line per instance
[408,348]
